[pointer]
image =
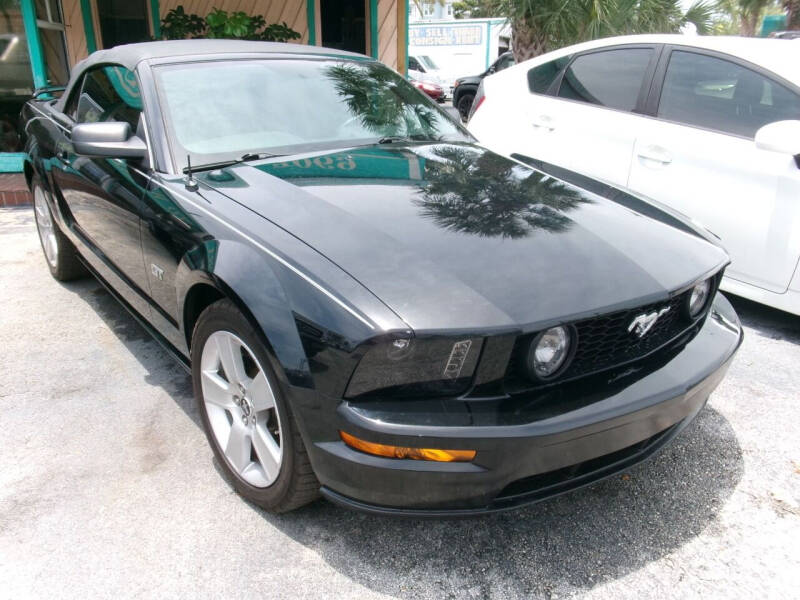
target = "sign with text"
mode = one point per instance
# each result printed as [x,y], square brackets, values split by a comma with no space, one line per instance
[446,35]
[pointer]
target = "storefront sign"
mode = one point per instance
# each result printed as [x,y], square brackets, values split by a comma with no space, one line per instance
[446,35]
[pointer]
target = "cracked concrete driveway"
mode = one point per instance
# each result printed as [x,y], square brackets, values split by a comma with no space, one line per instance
[108,488]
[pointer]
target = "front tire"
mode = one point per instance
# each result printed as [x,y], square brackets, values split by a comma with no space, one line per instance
[247,421]
[464,105]
[59,253]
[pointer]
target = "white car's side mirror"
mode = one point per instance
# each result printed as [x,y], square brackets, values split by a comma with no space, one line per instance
[780,136]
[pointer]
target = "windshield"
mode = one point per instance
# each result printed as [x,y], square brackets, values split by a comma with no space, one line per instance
[222,110]
[428,62]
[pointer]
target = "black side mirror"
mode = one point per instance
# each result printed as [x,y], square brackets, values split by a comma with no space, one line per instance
[112,139]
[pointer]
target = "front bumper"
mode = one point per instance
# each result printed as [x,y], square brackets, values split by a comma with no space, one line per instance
[524,453]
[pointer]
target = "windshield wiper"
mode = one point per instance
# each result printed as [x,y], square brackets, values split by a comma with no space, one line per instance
[236,161]
[417,137]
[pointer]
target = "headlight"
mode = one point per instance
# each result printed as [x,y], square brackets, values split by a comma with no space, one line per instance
[699,298]
[549,352]
[412,366]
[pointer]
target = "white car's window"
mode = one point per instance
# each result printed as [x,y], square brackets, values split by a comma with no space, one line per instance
[541,77]
[718,94]
[612,78]
[428,62]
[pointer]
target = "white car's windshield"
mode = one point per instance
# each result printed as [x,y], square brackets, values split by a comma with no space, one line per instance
[222,110]
[428,62]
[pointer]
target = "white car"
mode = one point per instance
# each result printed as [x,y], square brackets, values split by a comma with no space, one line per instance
[422,68]
[707,125]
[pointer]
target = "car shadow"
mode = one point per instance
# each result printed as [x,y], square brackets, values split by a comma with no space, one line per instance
[767,321]
[163,370]
[570,543]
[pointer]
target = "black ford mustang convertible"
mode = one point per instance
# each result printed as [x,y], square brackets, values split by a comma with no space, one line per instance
[372,306]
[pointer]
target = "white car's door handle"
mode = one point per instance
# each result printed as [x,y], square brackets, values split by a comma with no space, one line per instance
[544,122]
[655,153]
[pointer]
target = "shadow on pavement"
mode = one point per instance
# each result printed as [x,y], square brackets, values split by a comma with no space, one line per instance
[769,322]
[569,543]
[162,369]
[575,541]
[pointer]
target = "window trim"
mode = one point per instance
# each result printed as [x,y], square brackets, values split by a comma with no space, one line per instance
[659,78]
[644,89]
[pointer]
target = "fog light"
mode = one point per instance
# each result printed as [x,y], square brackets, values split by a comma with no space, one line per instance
[549,352]
[699,297]
[435,454]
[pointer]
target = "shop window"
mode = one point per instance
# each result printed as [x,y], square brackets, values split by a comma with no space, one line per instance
[123,22]
[16,79]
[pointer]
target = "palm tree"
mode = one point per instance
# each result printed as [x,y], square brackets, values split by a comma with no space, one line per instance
[473,191]
[542,25]
[792,8]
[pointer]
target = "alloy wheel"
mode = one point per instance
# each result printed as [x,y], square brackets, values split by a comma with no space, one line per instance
[45,226]
[241,409]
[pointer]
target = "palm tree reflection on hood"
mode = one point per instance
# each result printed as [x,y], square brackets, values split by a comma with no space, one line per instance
[474,191]
[383,102]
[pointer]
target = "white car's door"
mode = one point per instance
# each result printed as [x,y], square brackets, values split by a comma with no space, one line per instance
[699,157]
[579,111]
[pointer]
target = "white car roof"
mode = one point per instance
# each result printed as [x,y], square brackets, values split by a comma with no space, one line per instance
[782,57]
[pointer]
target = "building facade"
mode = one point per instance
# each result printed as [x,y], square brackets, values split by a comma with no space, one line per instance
[41,40]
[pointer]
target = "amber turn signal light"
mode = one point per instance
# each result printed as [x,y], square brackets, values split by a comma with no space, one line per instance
[412,453]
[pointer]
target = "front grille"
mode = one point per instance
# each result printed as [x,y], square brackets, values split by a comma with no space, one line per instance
[605,342]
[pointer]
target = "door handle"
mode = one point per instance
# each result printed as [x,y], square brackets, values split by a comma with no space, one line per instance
[656,154]
[544,122]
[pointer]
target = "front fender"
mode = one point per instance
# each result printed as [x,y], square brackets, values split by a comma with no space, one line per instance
[305,332]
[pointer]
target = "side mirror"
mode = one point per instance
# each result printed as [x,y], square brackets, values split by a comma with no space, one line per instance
[112,139]
[780,136]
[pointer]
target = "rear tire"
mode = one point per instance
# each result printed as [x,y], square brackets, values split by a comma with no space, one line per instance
[59,253]
[464,105]
[249,425]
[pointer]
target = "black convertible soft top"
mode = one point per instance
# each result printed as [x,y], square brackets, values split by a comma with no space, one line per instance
[130,55]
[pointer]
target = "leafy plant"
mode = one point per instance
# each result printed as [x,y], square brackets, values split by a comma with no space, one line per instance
[220,24]
[179,25]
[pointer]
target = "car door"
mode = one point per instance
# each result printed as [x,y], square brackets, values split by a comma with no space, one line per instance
[585,118]
[103,195]
[699,157]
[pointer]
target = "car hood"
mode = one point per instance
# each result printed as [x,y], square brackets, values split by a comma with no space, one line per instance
[453,236]
[475,79]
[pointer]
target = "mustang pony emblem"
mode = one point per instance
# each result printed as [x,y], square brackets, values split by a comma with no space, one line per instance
[644,322]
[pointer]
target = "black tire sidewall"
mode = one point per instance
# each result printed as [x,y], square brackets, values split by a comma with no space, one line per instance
[223,316]
[461,100]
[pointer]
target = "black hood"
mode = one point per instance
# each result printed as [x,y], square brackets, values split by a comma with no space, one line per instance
[452,236]
[471,79]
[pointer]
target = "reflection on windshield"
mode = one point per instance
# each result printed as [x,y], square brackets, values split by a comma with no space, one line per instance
[478,192]
[386,105]
[218,111]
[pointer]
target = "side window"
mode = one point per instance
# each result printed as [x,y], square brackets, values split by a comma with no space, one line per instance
[718,94]
[414,64]
[612,78]
[109,94]
[541,77]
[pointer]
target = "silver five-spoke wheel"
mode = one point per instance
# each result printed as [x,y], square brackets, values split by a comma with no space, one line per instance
[46,227]
[241,409]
